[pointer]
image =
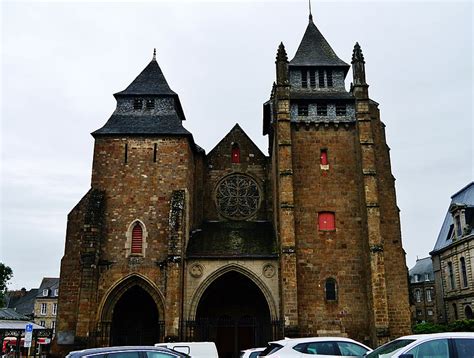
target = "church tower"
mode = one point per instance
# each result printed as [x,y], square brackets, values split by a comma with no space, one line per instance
[121,274]
[342,264]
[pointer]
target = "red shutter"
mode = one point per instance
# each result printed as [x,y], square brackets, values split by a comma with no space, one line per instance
[235,153]
[137,238]
[327,221]
[324,157]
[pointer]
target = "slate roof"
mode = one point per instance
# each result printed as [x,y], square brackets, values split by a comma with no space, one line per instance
[22,304]
[6,324]
[50,284]
[11,314]
[423,266]
[150,81]
[233,239]
[465,196]
[314,50]
[143,125]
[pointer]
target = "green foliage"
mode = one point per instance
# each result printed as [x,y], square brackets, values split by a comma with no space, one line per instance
[6,274]
[466,325]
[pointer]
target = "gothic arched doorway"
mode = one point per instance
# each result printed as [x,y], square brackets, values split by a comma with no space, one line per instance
[234,313]
[135,319]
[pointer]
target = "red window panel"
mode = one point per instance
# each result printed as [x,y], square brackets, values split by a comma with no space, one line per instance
[235,153]
[324,157]
[137,239]
[327,221]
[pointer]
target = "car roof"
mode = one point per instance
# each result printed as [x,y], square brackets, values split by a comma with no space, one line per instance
[312,339]
[439,335]
[119,349]
[253,349]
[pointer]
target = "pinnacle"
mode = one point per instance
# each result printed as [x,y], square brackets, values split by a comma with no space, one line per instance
[357,55]
[281,53]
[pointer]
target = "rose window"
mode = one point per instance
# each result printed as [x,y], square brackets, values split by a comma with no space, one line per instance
[237,197]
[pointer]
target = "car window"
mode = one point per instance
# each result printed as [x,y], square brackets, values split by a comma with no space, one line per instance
[321,348]
[254,355]
[351,349]
[464,347]
[300,347]
[272,348]
[390,347]
[437,348]
[124,355]
[158,355]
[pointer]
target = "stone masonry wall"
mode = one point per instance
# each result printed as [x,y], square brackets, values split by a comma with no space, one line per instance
[339,254]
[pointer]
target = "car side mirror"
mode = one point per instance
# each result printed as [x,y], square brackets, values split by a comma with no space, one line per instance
[406,356]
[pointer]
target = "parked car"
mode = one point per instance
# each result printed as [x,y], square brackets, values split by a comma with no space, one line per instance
[127,352]
[194,349]
[438,345]
[251,353]
[302,347]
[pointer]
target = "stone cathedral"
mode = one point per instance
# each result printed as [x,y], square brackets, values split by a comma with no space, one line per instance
[237,246]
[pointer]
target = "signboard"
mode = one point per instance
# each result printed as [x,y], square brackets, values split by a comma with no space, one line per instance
[28,335]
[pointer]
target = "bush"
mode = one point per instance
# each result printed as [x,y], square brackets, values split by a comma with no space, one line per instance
[466,325]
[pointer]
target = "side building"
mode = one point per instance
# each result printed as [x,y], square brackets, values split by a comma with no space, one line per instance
[46,303]
[422,292]
[453,259]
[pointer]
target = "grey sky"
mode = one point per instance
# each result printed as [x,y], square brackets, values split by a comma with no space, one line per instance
[61,63]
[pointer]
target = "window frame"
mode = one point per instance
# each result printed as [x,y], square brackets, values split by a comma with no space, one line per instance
[303,110]
[235,153]
[465,281]
[322,109]
[325,225]
[137,103]
[330,296]
[43,309]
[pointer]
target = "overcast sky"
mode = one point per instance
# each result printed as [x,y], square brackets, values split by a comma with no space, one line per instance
[61,63]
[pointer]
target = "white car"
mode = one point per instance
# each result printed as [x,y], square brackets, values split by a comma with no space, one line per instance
[319,346]
[251,353]
[436,345]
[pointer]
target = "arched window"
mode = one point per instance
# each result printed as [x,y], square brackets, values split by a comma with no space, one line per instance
[235,153]
[468,312]
[137,239]
[418,295]
[327,221]
[463,272]
[324,157]
[330,289]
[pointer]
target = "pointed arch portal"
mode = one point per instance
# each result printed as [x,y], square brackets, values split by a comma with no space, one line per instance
[132,314]
[234,313]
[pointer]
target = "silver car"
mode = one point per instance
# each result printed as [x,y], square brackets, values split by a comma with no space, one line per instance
[127,352]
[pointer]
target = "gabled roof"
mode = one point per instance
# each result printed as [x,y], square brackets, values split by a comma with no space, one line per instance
[22,303]
[150,81]
[464,197]
[314,50]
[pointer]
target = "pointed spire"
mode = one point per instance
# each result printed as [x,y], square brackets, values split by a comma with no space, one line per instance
[310,14]
[154,55]
[281,53]
[357,55]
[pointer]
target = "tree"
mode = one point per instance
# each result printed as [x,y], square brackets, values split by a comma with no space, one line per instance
[6,274]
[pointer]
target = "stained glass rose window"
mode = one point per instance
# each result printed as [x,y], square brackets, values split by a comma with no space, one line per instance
[237,197]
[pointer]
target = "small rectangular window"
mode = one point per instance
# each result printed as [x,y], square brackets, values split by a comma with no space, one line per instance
[55,309]
[45,292]
[137,103]
[125,159]
[322,110]
[56,292]
[312,78]
[302,109]
[324,157]
[304,78]
[340,109]
[155,149]
[430,312]
[321,78]
[327,221]
[150,103]
[43,308]
[329,78]
[43,324]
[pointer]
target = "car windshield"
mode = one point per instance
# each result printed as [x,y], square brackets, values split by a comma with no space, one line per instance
[389,348]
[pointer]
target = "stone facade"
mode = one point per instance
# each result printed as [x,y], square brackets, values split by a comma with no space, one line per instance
[453,259]
[234,241]
[46,303]
[422,292]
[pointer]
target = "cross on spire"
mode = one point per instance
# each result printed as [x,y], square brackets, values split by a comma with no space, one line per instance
[154,54]
[310,14]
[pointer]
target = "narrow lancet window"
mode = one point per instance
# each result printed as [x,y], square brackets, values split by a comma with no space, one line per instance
[302,109]
[312,78]
[125,159]
[330,288]
[321,78]
[324,157]
[155,146]
[304,79]
[137,103]
[137,239]
[235,153]
[329,78]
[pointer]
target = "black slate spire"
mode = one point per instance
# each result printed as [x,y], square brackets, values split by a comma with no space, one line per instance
[150,81]
[314,50]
